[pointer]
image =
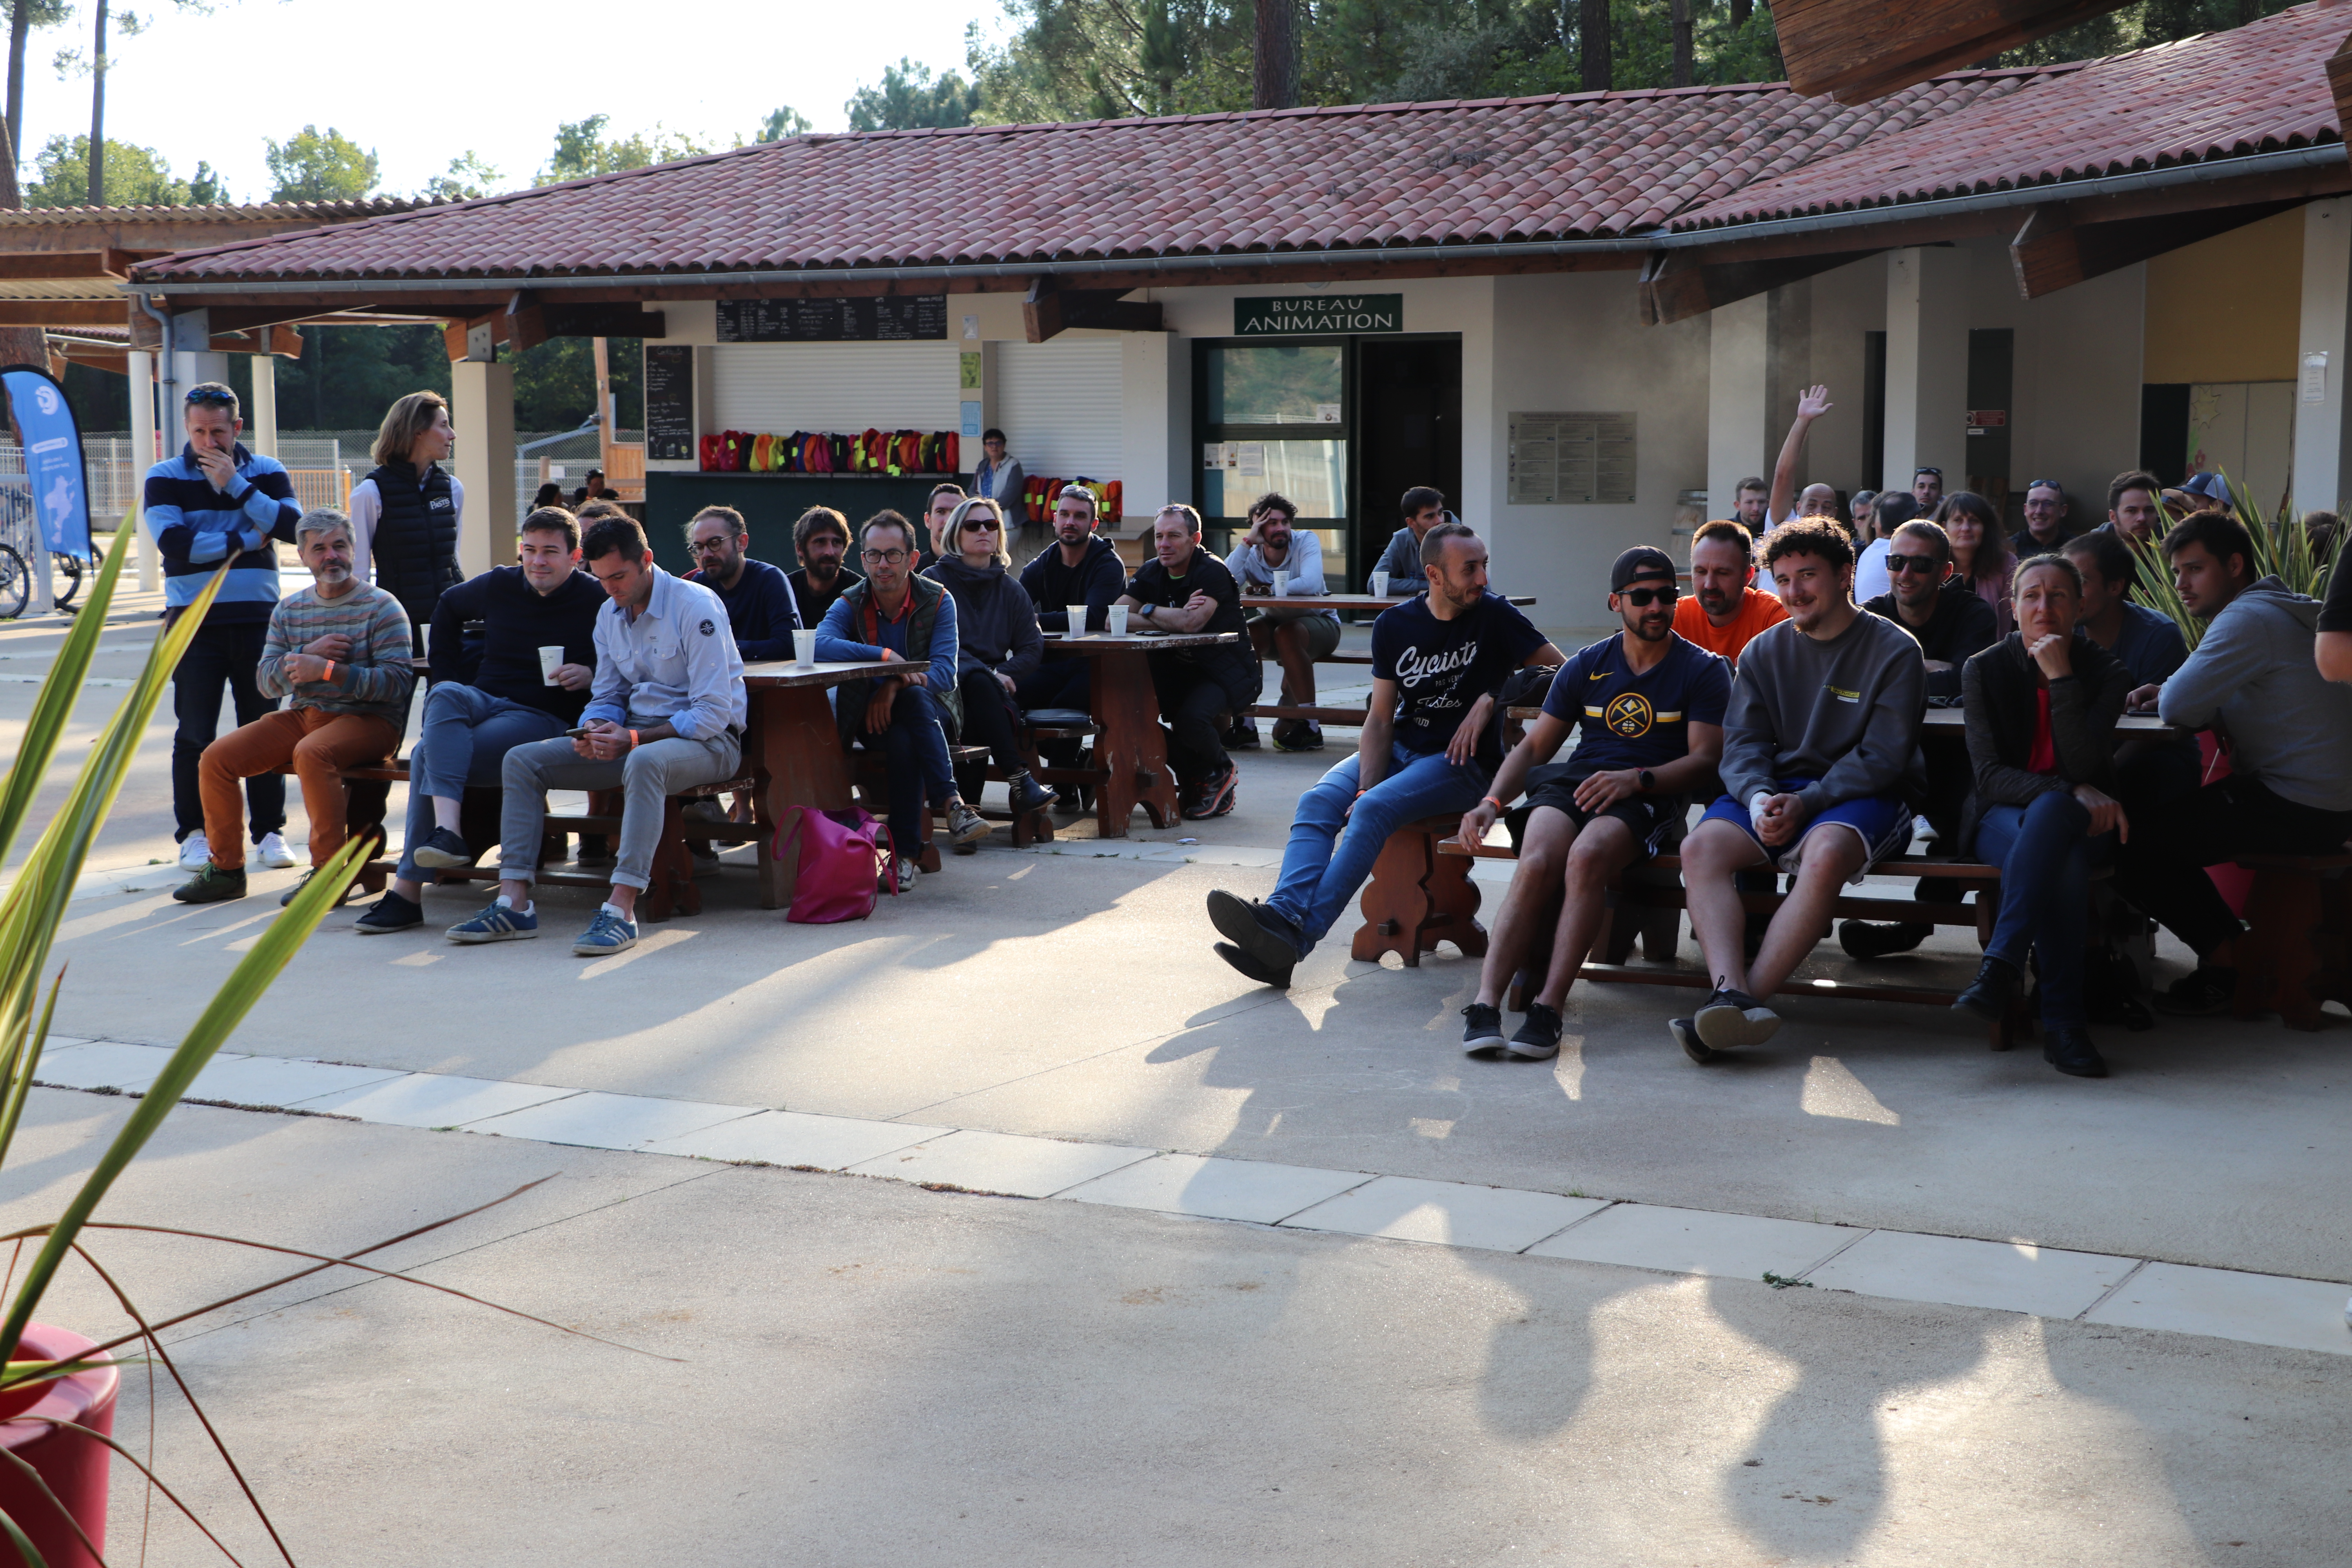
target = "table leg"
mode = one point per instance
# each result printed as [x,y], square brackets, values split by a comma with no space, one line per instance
[1133,748]
[797,761]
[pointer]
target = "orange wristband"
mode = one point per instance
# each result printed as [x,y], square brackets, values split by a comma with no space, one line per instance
[634,741]
[330,671]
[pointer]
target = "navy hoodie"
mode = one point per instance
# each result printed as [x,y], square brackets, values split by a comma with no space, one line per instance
[1053,587]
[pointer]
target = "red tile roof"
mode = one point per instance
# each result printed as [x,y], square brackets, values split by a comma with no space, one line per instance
[2254,89]
[1574,166]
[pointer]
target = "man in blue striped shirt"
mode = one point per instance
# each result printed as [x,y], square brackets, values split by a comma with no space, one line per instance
[215,500]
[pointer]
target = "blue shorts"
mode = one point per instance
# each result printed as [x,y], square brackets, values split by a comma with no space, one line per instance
[1883,823]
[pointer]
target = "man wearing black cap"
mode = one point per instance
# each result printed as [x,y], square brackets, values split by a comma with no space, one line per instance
[1649,706]
[1428,747]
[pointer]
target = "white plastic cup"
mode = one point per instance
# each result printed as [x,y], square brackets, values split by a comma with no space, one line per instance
[1379,585]
[550,660]
[1117,615]
[804,647]
[1077,614]
[1282,584]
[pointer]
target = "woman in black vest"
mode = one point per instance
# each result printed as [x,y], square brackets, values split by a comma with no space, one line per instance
[406,514]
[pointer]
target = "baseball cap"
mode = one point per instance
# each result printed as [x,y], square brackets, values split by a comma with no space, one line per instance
[2210,486]
[1641,561]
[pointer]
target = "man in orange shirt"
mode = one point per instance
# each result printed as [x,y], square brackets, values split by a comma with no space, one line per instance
[1723,612]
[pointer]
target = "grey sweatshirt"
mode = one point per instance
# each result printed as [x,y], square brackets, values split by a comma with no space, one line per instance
[2253,673]
[1845,712]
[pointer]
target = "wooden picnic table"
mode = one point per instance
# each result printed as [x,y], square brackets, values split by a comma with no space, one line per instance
[793,750]
[1131,753]
[1342,601]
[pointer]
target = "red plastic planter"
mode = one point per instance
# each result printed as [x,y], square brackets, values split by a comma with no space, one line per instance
[74,1465]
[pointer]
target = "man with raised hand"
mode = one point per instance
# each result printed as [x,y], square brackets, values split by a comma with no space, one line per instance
[1647,710]
[1819,774]
[1725,610]
[1427,747]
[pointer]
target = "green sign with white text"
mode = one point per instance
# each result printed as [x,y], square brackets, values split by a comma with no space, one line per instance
[1283,315]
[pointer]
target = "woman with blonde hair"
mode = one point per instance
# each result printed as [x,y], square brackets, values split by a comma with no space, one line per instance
[405,515]
[997,643]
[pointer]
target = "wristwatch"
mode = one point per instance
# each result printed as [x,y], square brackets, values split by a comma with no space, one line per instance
[1647,780]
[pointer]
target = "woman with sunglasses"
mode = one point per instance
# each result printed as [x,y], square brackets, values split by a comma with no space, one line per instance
[998,643]
[2042,709]
[1981,552]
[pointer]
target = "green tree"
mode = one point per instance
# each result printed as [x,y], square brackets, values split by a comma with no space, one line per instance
[313,167]
[782,123]
[555,383]
[347,377]
[23,16]
[135,176]
[911,99]
[469,179]
[582,149]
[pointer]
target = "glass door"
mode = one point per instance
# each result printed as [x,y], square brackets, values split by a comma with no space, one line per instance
[1275,415]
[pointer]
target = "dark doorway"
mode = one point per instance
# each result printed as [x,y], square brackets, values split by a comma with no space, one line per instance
[1992,352]
[2164,430]
[1408,432]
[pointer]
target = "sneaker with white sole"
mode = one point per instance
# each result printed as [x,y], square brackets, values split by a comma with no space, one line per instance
[1482,1031]
[498,922]
[906,871]
[965,826]
[196,854]
[609,932]
[272,852]
[1733,1018]
[1538,1039]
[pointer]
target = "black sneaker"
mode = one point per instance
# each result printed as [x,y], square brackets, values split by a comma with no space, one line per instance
[2067,1047]
[1538,1039]
[441,851]
[1214,796]
[1067,802]
[1482,1030]
[211,885]
[388,913]
[1264,974]
[1308,737]
[1876,939]
[1257,931]
[1685,1035]
[1733,1018]
[1990,995]
[288,896]
[1242,737]
[2200,993]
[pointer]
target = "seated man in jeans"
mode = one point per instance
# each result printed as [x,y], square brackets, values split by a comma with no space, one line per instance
[1427,747]
[492,696]
[2290,787]
[340,649]
[1819,780]
[1293,638]
[665,713]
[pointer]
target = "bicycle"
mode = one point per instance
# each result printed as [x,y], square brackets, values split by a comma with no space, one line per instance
[19,537]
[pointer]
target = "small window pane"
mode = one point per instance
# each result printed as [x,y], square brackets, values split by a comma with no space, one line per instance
[1274,386]
[1314,474]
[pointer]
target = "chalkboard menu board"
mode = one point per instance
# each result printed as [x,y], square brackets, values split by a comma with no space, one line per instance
[864,319]
[669,401]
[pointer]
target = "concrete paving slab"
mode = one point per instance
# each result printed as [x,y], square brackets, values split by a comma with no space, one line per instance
[277,1080]
[2007,1277]
[1216,1189]
[1002,1162]
[1403,1208]
[596,1120]
[1695,1241]
[790,1138]
[433,1099]
[2262,1308]
[102,1066]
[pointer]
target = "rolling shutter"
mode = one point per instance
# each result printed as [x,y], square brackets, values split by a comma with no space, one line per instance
[1060,407]
[777,388]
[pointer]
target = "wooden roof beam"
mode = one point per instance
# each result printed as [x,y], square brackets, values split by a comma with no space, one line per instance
[1856,50]
[2053,251]
[1677,285]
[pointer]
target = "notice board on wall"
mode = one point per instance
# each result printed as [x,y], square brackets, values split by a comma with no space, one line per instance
[1570,457]
[898,318]
[669,401]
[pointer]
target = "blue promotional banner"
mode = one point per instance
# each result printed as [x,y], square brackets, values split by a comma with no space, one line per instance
[53,459]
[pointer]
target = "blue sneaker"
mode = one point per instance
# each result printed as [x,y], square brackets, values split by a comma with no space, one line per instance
[608,933]
[497,923]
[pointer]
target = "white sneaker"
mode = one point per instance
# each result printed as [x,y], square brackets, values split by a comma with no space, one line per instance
[195,853]
[272,852]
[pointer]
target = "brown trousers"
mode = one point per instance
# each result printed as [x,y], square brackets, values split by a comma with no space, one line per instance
[317,744]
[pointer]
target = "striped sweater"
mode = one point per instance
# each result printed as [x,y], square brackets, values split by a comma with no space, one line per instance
[376,678]
[195,525]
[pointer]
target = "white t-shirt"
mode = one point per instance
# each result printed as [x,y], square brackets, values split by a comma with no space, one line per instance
[1870,577]
[366,506]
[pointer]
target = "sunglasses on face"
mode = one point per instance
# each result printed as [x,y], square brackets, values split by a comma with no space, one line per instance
[1927,473]
[1642,598]
[1925,566]
[979,525]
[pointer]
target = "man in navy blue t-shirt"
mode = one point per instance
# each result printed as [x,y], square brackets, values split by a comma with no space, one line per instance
[1426,747]
[1647,708]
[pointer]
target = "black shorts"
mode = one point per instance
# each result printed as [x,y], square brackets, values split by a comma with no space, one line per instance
[1647,816]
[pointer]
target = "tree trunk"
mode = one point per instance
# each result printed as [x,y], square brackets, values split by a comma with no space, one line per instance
[20,28]
[23,345]
[11,197]
[1740,11]
[1680,10]
[98,114]
[1277,86]
[1593,45]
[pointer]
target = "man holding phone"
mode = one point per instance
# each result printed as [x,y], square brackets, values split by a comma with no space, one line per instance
[665,712]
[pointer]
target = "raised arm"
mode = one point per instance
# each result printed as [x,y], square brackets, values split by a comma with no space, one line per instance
[1812,405]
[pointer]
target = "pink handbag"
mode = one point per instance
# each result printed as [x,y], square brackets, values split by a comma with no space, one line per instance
[844,854]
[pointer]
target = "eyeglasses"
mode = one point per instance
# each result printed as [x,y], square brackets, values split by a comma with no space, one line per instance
[205,397]
[1936,472]
[1923,565]
[887,557]
[2033,485]
[1641,598]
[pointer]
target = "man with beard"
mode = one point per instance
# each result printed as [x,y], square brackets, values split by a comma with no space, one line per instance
[760,607]
[339,650]
[1724,612]
[1647,708]
[821,539]
[1819,778]
[1184,589]
[1081,567]
[1294,638]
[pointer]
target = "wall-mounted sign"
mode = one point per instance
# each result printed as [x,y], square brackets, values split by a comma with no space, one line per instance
[669,401]
[1570,457]
[1284,314]
[897,318]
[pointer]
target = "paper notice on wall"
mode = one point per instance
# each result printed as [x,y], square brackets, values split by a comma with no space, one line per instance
[2314,377]
[1249,458]
[1327,414]
[1554,458]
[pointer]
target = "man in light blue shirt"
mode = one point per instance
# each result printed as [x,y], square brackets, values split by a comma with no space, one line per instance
[665,713]
[1293,637]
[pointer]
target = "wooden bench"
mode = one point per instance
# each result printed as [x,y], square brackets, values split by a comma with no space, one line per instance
[2297,950]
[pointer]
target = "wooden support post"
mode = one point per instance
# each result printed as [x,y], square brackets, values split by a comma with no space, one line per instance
[485,463]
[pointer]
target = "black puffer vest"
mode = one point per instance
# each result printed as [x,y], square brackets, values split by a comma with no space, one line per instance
[415,545]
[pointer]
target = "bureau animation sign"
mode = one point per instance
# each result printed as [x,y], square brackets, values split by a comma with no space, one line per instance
[1284,315]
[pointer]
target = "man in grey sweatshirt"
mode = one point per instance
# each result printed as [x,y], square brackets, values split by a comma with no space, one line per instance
[2289,791]
[1819,778]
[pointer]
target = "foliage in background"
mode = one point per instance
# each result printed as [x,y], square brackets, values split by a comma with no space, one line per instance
[2141,26]
[2285,547]
[911,99]
[469,179]
[135,176]
[310,166]
[347,377]
[582,149]
[783,121]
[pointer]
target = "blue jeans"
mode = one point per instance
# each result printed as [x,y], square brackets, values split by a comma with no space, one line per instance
[1317,879]
[915,756]
[464,740]
[2045,855]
